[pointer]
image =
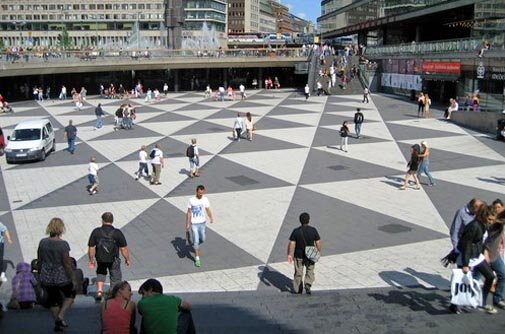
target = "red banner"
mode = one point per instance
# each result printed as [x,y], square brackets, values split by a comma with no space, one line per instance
[442,67]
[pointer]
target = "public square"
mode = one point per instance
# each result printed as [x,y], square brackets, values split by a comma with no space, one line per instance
[376,238]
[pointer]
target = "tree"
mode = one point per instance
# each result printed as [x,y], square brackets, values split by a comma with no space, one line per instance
[64,39]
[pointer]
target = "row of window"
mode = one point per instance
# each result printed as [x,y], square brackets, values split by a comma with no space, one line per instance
[107,6]
[81,17]
[82,27]
[206,16]
[206,4]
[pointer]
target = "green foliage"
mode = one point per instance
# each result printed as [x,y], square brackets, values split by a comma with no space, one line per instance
[64,39]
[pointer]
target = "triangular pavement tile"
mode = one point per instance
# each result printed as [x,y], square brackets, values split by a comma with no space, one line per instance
[259,143]
[264,224]
[218,104]
[268,162]
[79,221]
[228,114]
[171,148]
[247,104]
[281,111]
[115,186]
[168,101]
[11,121]
[169,117]
[190,99]
[14,253]
[197,114]
[196,106]
[167,128]
[202,127]
[432,124]
[340,99]
[4,199]
[330,136]
[299,136]
[119,148]
[90,132]
[383,196]
[25,185]
[76,119]
[334,119]
[169,107]
[375,230]
[134,132]
[27,112]
[385,154]
[369,115]
[274,123]
[222,175]
[490,178]
[311,119]
[314,107]
[210,142]
[21,110]
[323,167]
[259,111]
[404,132]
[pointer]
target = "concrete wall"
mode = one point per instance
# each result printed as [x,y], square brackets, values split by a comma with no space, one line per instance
[480,121]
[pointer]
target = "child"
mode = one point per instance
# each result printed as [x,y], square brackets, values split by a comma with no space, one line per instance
[93,175]
[82,283]
[4,234]
[23,287]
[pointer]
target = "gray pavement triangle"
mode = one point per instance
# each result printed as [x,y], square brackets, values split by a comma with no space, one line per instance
[280,110]
[158,234]
[273,123]
[403,132]
[12,253]
[354,228]
[221,175]
[172,148]
[134,102]
[228,113]
[134,132]
[202,127]
[168,101]
[323,167]
[4,199]
[259,143]
[331,119]
[35,112]
[115,186]
[169,117]
[331,138]
[196,106]
[246,104]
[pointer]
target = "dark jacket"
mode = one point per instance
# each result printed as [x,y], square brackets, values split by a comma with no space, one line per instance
[471,244]
[358,118]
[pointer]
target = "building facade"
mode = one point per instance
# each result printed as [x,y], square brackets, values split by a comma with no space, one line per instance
[205,22]
[243,16]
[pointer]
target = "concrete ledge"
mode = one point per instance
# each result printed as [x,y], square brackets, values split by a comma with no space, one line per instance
[480,121]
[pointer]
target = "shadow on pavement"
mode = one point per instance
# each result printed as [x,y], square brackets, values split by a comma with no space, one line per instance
[270,277]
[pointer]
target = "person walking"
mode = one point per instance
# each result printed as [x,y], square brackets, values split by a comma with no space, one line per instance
[366,93]
[427,104]
[99,114]
[165,89]
[413,166]
[104,245]
[93,175]
[306,91]
[194,158]
[249,126]
[420,104]
[4,235]
[142,163]
[300,238]
[358,121]
[118,311]
[238,125]
[494,250]
[63,93]
[70,134]
[344,136]
[196,218]
[157,163]
[424,166]
[55,272]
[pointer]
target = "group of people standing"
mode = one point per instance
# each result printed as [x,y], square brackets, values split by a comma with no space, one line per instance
[423,105]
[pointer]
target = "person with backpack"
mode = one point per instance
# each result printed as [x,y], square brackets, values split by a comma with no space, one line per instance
[358,120]
[156,156]
[104,245]
[194,158]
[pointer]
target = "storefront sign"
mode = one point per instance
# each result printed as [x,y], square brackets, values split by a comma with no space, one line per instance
[441,67]
[498,73]
[404,81]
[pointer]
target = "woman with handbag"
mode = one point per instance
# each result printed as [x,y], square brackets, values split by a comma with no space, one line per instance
[55,270]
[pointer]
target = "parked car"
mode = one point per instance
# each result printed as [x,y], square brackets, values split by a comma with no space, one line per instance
[30,140]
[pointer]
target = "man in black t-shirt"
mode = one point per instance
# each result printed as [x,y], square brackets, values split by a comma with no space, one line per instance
[301,237]
[105,243]
[70,134]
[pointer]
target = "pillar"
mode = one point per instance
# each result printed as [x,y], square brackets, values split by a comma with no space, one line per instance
[176,80]
[225,78]
[260,78]
[418,33]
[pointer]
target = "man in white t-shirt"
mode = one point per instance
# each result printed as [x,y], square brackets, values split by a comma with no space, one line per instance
[196,217]
[142,163]
[242,91]
[156,156]
[93,175]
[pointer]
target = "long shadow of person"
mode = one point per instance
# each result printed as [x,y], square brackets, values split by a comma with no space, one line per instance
[183,250]
[270,277]
[434,280]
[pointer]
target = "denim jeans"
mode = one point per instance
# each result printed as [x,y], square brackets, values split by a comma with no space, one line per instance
[71,144]
[142,167]
[198,234]
[425,168]
[357,129]
[485,270]
[99,122]
[498,267]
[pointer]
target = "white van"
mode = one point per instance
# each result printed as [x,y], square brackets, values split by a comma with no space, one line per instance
[30,140]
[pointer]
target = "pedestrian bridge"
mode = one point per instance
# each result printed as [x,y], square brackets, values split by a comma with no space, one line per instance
[40,63]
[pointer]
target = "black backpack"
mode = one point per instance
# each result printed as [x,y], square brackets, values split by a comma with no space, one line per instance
[190,151]
[106,248]
[152,154]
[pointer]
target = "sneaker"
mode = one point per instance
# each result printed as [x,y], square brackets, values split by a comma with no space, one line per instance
[3,279]
[198,263]
[490,309]
[307,289]
[500,304]
[455,309]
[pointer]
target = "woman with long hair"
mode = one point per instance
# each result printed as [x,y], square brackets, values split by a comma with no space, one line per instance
[344,136]
[413,166]
[118,311]
[249,126]
[424,166]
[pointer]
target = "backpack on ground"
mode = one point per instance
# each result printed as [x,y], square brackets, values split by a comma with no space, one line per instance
[152,154]
[106,248]
[190,151]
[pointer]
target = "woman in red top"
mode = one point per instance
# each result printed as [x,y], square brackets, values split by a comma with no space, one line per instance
[118,311]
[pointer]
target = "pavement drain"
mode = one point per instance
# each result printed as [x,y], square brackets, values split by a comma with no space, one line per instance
[338,167]
[394,228]
[242,180]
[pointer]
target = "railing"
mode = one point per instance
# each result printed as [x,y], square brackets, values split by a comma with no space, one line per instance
[101,55]
[445,46]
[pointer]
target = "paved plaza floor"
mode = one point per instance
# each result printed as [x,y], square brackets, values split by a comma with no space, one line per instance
[374,235]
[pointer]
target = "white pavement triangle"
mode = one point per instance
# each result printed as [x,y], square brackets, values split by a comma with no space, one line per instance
[286,165]
[383,195]
[468,145]
[90,132]
[369,114]
[432,124]
[115,149]
[197,114]
[169,107]
[250,224]
[79,221]
[315,107]
[260,111]
[308,119]
[166,128]
[301,136]
[210,142]
[76,119]
[27,184]
[385,154]
[485,178]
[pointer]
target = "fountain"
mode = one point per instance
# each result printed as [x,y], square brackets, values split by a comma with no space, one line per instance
[207,39]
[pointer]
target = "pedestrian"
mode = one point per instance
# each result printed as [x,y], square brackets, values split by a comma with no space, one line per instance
[63,93]
[194,158]
[56,272]
[249,126]
[163,313]
[307,92]
[119,117]
[344,136]
[70,134]
[242,92]
[221,93]
[208,92]
[302,237]
[420,104]
[358,121]
[424,166]
[471,251]
[101,88]
[238,125]
[23,287]
[413,166]
[142,164]
[104,245]
[427,104]
[366,93]
[157,163]
[4,235]
[165,89]
[99,114]
[92,176]
[319,88]
[196,219]
[118,311]
[494,247]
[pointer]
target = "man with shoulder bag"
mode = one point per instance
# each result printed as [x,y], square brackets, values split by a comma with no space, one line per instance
[306,243]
